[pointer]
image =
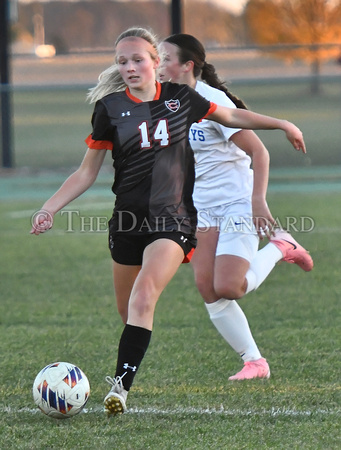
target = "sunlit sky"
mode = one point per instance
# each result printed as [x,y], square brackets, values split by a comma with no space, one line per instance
[234,6]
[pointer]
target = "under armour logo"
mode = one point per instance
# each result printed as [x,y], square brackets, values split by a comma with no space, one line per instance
[184,239]
[126,366]
[127,113]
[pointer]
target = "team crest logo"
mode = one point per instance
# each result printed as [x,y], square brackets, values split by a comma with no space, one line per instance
[173,105]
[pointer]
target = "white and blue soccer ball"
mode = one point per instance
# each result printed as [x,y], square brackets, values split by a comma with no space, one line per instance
[61,390]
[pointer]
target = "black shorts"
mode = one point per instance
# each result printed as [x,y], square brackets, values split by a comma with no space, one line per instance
[128,249]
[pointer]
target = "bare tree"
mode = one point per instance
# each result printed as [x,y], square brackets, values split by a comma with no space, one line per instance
[311,25]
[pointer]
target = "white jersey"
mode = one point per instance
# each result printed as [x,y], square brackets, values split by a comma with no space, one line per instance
[222,170]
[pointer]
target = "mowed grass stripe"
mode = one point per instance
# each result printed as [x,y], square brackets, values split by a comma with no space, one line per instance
[273,412]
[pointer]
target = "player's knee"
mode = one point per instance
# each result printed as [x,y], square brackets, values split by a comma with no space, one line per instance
[144,299]
[229,289]
[142,306]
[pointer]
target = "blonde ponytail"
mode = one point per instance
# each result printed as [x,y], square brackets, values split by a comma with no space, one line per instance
[109,81]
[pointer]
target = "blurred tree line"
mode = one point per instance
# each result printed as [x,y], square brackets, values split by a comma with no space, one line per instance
[306,27]
[95,24]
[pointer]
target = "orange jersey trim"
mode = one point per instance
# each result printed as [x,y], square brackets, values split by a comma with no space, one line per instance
[98,145]
[137,100]
[213,107]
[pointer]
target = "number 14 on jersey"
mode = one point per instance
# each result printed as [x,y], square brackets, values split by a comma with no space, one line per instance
[161,134]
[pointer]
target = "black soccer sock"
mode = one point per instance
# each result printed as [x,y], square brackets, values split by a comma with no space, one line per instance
[133,346]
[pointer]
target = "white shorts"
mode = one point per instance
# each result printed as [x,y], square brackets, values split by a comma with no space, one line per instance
[237,234]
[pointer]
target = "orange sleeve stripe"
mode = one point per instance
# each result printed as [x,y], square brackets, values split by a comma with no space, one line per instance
[98,145]
[213,107]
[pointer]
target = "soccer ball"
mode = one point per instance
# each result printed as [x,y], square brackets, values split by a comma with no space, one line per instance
[61,390]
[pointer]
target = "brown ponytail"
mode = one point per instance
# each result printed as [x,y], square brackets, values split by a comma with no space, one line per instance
[209,75]
[190,49]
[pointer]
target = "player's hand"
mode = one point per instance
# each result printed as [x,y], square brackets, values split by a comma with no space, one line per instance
[41,221]
[262,218]
[295,136]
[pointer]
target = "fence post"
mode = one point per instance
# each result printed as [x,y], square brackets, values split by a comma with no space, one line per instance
[176,16]
[5,97]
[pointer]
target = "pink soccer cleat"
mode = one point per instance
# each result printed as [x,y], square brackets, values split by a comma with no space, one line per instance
[292,251]
[253,369]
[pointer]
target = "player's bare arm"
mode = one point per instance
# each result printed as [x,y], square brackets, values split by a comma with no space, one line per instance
[73,187]
[248,141]
[241,118]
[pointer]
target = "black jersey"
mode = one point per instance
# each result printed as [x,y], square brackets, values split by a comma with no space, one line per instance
[153,161]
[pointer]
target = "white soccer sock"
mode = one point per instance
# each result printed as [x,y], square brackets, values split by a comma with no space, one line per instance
[231,322]
[260,267]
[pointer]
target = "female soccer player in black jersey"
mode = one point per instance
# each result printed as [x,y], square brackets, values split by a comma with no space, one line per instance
[145,125]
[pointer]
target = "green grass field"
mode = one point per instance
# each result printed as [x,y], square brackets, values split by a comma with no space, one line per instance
[57,303]
[57,300]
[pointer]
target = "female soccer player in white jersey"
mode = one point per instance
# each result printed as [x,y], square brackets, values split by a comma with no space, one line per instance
[145,125]
[229,197]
